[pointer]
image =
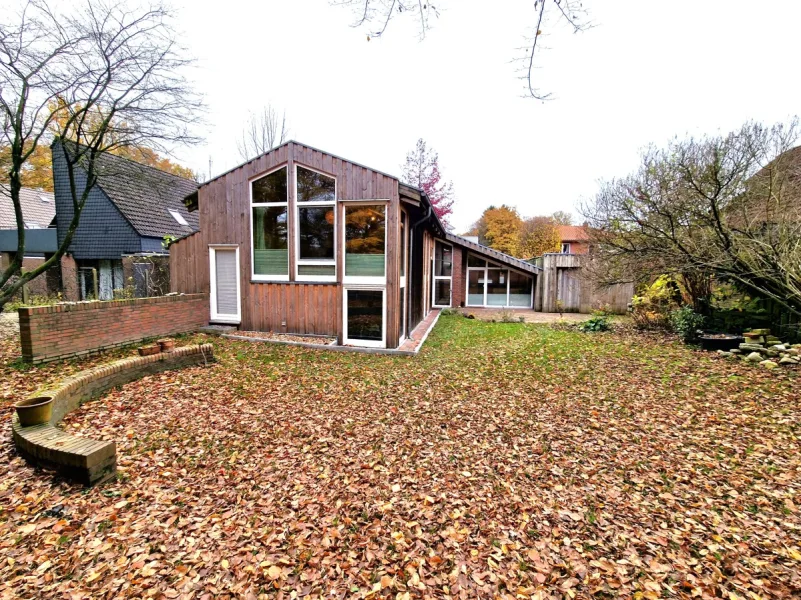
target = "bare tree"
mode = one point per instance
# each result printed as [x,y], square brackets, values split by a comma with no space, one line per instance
[377,14]
[263,132]
[725,206]
[100,76]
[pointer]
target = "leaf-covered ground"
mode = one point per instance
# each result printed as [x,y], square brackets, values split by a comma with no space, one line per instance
[505,461]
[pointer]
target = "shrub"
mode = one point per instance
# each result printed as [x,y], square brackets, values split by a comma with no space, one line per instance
[651,309]
[507,316]
[32,301]
[686,322]
[599,321]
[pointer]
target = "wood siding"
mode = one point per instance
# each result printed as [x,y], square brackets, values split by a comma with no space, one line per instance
[293,307]
[563,279]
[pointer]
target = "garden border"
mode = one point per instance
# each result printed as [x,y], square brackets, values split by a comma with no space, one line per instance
[84,459]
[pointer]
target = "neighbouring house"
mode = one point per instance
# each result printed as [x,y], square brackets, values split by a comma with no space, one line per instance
[38,213]
[575,239]
[120,239]
[565,281]
[301,241]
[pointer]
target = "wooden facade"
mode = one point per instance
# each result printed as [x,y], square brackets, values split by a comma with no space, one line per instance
[287,305]
[296,307]
[565,285]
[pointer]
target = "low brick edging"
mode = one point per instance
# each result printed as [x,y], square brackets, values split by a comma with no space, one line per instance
[67,330]
[84,459]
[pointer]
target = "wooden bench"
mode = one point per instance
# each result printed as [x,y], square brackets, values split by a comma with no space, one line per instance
[83,459]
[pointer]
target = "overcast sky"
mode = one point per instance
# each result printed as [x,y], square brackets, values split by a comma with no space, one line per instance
[647,71]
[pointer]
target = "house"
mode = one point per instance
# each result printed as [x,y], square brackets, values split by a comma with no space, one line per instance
[574,239]
[38,213]
[128,214]
[302,241]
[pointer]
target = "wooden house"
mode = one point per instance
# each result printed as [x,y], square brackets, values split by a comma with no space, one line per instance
[302,241]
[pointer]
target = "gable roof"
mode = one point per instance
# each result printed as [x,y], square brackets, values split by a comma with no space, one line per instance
[492,254]
[146,195]
[573,233]
[38,208]
[286,143]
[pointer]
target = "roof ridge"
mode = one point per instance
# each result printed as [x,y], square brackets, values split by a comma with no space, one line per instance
[136,162]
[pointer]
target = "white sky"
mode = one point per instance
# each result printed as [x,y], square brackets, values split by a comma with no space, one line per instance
[649,70]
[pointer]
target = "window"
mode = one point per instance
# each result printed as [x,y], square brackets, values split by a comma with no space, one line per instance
[268,196]
[519,289]
[443,271]
[364,317]
[565,248]
[179,217]
[316,220]
[365,243]
[489,284]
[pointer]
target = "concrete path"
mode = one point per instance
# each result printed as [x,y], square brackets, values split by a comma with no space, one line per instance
[530,316]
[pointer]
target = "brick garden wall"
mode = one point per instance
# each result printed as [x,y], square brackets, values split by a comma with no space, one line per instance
[66,330]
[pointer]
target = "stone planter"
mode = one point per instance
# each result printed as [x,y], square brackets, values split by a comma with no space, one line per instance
[719,341]
[148,350]
[34,411]
[166,344]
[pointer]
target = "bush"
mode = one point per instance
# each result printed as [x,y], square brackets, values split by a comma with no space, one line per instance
[12,306]
[599,321]
[651,309]
[686,322]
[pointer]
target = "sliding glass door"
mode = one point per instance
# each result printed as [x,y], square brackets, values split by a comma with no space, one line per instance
[490,284]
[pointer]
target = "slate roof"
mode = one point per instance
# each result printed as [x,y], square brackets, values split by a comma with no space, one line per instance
[493,254]
[38,208]
[145,195]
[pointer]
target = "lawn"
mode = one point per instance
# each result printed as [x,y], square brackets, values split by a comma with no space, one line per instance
[505,461]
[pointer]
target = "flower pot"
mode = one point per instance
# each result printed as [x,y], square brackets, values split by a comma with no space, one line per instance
[166,344]
[148,350]
[34,411]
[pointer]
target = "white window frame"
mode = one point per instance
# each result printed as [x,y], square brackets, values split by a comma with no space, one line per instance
[298,205]
[364,343]
[565,247]
[484,270]
[435,277]
[364,280]
[213,286]
[253,275]
[179,218]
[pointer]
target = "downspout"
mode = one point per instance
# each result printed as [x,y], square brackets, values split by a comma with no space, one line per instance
[411,266]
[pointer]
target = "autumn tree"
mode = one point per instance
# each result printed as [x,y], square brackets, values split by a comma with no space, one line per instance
[376,15]
[421,170]
[562,218]
[263,132]
[38,170]
[499,228]
[104,76]
[723,205]
[539,235]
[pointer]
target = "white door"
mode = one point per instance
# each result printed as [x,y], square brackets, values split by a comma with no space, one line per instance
[225,301]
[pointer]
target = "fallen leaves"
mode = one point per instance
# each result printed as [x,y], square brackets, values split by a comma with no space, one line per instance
[505,461]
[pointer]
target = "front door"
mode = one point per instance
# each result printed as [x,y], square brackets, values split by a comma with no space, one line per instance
[225,301]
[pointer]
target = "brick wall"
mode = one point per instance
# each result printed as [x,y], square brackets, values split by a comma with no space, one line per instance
[65,330]
[458,273]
